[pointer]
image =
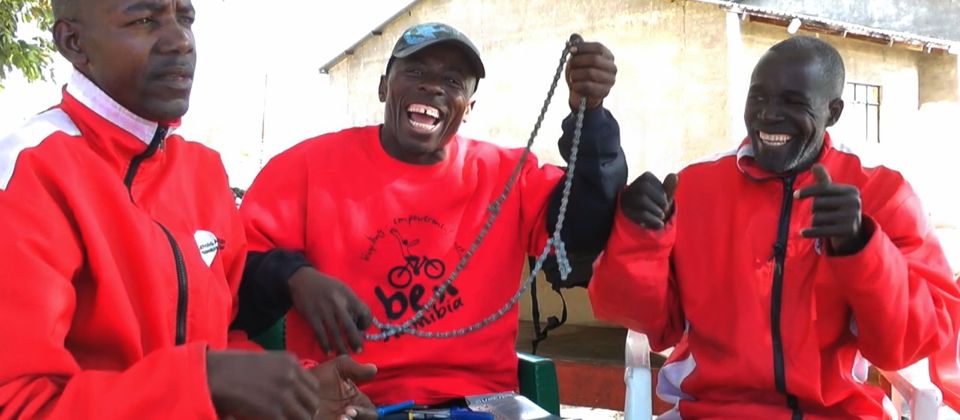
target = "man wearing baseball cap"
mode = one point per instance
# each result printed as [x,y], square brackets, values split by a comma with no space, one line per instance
[369,221]
[418,37]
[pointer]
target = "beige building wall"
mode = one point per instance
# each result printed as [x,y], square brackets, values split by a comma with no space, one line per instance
[684,69]
[938,78]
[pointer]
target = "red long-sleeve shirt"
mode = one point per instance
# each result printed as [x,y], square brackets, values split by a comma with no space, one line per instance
[393,232]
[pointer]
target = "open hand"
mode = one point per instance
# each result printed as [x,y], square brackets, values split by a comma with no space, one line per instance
[267,385]
[336,314]
[340,398]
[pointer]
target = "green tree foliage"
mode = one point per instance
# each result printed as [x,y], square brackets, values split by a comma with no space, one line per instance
[29,56]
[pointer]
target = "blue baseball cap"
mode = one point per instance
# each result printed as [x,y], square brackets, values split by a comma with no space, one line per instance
[423,35]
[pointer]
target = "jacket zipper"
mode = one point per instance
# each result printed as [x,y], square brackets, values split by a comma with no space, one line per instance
[776,297]
[155,143]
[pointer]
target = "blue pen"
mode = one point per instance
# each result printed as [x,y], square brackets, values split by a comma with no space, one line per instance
[446,414]
[466,414]
[393,408]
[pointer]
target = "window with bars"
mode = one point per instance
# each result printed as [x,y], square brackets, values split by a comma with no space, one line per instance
[862,110]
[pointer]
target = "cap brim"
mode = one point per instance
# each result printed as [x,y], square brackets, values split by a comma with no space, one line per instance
[472,54]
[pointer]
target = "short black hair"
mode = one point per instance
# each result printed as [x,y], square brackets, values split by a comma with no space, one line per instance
[64,9]
[830,59]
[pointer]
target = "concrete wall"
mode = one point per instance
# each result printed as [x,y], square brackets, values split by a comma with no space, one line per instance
[683,66]
[938,79]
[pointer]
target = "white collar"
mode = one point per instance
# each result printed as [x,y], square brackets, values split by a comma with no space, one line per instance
[90,95]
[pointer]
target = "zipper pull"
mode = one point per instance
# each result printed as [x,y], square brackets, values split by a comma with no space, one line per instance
[778,249]
[788,184]
[161,135]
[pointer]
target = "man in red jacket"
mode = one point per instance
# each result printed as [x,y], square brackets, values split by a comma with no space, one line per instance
[374,219]
[122,246]
[779,269]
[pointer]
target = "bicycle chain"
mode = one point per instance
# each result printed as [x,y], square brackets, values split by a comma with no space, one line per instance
[555,242]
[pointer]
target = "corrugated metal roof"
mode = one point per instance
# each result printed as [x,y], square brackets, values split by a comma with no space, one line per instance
[822,24]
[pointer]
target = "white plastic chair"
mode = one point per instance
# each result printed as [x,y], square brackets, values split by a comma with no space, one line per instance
[944,372]
[638,404]
[914,394]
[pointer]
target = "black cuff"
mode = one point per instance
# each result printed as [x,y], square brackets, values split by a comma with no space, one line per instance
[264,292]
[599,136]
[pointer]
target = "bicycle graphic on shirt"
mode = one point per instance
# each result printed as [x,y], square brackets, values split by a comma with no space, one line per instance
[401,275]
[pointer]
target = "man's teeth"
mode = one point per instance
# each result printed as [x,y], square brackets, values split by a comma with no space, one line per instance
[424,109]
[776,139]
[422,125]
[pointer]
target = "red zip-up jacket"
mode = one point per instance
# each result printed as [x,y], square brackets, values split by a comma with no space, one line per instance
[766,323]
[122,251]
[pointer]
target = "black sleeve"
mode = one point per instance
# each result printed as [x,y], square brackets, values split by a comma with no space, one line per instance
[264,296]
[598,178]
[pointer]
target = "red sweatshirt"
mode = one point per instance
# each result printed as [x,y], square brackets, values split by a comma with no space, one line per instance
[731,262]
[119,272]
[393,232]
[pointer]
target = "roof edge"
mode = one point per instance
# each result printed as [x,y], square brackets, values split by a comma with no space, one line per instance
[377,31]
[844,29]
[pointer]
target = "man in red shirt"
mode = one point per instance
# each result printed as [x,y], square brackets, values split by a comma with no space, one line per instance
[778,270]
[122,246]
[374,219]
